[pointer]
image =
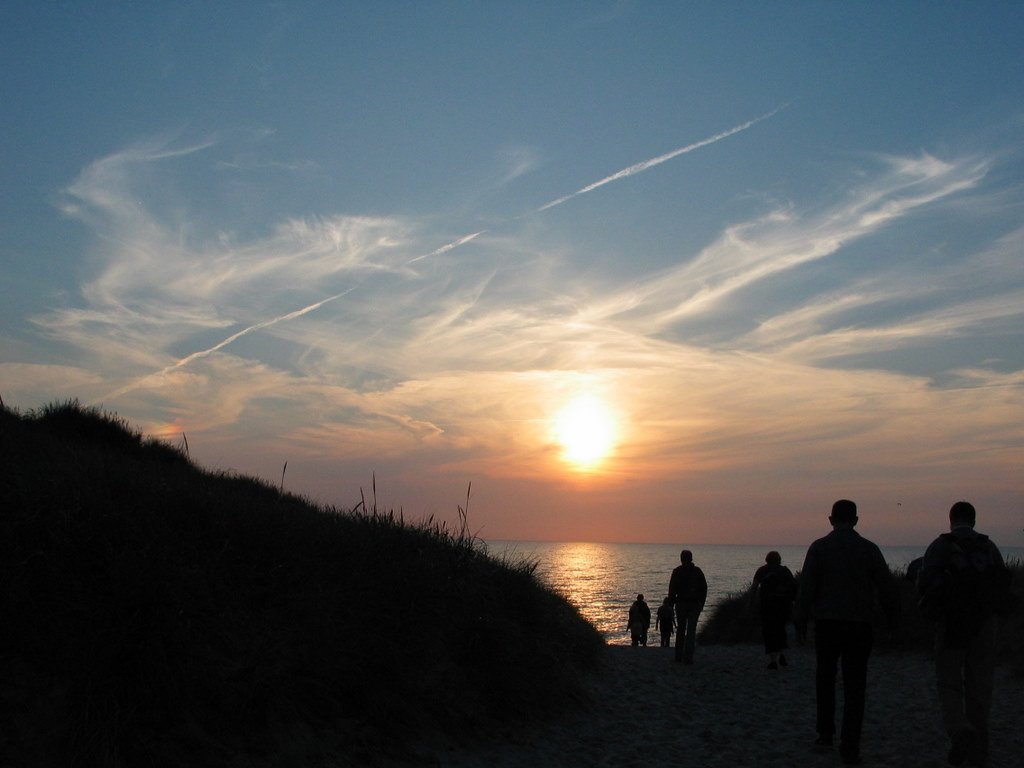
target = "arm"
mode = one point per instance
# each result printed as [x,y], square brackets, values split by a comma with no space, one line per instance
[1003,599]
[888,593]
[931,580]
[807,586]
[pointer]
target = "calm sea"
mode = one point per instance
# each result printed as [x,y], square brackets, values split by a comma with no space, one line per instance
[603,579]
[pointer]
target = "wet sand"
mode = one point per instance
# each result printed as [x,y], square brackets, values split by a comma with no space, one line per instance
[729,710]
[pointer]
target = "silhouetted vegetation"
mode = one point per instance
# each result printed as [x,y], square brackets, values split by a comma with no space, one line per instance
[735,620]
[153,613]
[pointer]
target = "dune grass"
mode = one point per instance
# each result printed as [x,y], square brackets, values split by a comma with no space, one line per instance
[153,613]
[735,620]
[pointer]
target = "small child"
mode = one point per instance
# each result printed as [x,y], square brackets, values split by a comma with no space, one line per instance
[665,622]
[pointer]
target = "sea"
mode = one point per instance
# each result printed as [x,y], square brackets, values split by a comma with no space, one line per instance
[602,580]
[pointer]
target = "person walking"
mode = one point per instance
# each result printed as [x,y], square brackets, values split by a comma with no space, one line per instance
[843,576]
[687,591]
[776,588]
[639,621]
[964,586]
[665,622]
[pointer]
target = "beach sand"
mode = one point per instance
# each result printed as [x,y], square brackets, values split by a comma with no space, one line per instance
[729,710]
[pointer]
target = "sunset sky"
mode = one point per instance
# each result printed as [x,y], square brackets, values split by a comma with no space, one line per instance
[667,272]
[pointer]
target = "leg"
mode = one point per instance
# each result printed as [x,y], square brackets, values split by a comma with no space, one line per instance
[949,665]
[826,650]
[680,632]
[858,639]
[690,642]
[979,672]
[773,626]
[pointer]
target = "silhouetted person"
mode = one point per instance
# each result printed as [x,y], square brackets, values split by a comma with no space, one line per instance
[665,622]
[964,586]
[843,575]
[639,621]
[776,589]
[688,591]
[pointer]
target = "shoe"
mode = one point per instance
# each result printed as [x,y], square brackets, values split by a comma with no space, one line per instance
[823,743]
[782,661]
[772,665]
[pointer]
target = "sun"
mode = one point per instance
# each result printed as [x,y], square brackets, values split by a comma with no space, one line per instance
[585,428]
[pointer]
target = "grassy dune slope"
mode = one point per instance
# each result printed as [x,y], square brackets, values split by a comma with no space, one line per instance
[152,613]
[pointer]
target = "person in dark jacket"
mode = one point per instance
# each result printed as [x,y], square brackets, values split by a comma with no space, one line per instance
[639,621]
[688,591]
[964,586]
[665,622]
[843,576]
[776,588]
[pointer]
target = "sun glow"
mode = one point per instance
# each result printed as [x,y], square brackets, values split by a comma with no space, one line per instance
[585,428]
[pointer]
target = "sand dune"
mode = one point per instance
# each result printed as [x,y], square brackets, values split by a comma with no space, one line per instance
[729,710]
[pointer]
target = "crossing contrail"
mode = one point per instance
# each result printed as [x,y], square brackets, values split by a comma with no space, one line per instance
[221,344]
[446,248]
[643,166]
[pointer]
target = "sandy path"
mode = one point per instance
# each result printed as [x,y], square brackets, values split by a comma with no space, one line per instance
[729,710]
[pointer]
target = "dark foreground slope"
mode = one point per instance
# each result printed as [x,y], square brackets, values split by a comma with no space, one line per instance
[152,613]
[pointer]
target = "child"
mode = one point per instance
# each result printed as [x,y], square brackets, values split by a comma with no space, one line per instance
[665,622]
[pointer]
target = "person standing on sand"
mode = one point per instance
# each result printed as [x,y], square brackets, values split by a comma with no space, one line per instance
[665,622]
[687,591]
[843,575]
[639,621]
[964,586]
[776,588]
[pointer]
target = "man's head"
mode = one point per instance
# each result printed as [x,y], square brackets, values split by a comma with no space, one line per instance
[640,598]
[844,514]
[686,556]
[773,558]
[962,513]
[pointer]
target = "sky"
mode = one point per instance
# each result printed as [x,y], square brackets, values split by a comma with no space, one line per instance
[603,271]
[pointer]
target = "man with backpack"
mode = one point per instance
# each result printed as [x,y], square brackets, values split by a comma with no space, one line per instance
[964,586]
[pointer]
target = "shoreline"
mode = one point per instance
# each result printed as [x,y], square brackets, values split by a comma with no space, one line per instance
[729,710]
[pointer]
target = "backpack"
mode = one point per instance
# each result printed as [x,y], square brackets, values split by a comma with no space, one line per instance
[973,584]
[779,586]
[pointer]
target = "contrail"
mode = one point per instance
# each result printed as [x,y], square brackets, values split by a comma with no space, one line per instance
[446,248]
[643,166]
[221,344]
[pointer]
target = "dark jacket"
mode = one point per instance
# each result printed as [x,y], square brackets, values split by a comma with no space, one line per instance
[843,575]
[688,589]
[666,619]
[639,614]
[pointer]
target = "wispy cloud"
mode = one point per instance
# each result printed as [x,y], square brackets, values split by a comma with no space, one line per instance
[647,164]
[233,337]
[783,240]
[459,366]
